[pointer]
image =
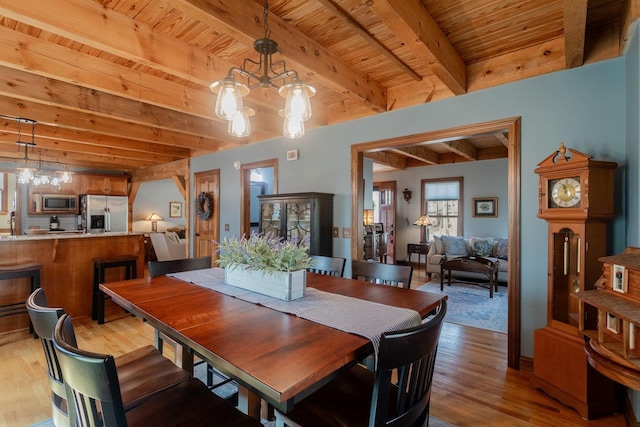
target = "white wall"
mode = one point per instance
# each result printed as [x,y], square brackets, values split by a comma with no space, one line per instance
[480,179]
[584,107]
[154,196]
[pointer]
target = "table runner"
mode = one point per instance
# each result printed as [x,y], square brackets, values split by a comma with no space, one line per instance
[365,318]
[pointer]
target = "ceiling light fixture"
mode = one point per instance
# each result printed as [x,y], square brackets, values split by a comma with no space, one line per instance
[229,105]
[37,176]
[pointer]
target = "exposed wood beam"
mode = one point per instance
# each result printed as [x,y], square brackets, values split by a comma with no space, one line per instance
[412,24]
[107,126]
[388,158]
[575,24]
[500,136]
[421,153]
[166,171]
[464,149]
[371,41]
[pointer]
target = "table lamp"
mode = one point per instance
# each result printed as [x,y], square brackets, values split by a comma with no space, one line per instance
[154,218]
[424,221]
[367,216]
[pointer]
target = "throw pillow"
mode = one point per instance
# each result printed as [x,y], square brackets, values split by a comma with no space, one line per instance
[501,248]
[171,235]
[454,245]
[481,246]
[437,241]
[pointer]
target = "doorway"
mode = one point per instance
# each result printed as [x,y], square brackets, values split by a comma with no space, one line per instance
[510,127]
[207,229]
[249,204]
[384,198]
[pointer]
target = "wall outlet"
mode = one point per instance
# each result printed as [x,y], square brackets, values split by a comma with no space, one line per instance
[346,232]
[336,232]
[226,227]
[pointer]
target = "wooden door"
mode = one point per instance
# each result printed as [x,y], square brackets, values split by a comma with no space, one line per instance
[207,230]
[387,215]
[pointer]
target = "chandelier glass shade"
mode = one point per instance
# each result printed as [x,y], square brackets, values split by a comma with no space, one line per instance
[263,73]
[39,176]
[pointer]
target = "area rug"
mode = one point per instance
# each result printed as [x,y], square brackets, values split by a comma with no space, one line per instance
[469,304]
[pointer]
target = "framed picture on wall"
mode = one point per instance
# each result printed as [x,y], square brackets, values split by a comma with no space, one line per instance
[175,209]
[485,207]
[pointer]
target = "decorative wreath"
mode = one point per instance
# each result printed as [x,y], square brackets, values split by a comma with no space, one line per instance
[204,206]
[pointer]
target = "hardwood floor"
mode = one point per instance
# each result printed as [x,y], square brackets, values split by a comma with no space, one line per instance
[472,385]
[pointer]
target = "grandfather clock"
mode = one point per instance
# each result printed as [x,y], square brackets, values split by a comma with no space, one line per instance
[575,196]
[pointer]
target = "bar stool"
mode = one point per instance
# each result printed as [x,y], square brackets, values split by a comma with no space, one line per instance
[129,262]
[15,272]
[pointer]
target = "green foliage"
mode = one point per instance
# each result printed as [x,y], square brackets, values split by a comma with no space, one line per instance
[265,253]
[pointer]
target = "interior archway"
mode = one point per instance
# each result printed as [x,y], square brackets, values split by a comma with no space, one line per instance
[512,127]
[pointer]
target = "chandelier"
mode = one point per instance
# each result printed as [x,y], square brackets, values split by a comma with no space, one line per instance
[264,73]
[37,176]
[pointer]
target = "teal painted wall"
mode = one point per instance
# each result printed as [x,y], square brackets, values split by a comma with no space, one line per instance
[584,107]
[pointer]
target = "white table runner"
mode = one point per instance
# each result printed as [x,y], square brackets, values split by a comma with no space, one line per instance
[365,318]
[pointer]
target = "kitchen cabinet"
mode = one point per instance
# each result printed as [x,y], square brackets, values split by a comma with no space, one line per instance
[113,185]
[305,217]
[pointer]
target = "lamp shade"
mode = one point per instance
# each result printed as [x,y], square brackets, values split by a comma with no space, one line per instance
[155,217]
[367,216]
[424,220]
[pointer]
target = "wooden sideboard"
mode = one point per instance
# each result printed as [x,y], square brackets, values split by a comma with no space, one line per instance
[375,246]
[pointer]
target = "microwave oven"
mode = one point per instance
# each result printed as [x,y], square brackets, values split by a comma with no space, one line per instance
[59,203]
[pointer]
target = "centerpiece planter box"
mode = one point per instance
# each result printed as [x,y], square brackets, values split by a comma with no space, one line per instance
[279,284]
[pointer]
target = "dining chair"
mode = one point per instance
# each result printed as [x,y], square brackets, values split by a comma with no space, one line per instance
[142,372]
[397,394]
[93,383]
[386,274]
[159,268]
[329,266]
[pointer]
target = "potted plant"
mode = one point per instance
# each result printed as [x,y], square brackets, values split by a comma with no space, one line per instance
[266,264]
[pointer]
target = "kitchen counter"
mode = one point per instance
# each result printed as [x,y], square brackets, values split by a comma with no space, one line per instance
[64,235]
[67,267]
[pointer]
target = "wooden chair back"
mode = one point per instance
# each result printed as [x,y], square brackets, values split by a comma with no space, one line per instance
[91,379]
[328,266]
[385,274]
[44,321]
[411,353]
[159,268]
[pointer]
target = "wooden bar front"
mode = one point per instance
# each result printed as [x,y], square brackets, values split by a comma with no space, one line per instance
[67,269]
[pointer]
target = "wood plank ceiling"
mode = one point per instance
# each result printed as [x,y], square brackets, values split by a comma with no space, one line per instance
[124,84]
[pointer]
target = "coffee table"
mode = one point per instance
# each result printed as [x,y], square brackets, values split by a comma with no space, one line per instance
[474,264]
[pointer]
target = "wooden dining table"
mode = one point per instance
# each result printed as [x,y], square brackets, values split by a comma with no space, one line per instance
[274,356]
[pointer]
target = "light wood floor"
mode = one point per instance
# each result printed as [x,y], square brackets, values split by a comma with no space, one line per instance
[472,385]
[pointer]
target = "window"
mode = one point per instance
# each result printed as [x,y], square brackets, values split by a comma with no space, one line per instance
[442,202]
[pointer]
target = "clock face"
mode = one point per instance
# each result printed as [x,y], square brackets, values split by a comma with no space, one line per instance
[564,192]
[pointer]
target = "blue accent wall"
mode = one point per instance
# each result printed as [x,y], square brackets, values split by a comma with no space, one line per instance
[587,108]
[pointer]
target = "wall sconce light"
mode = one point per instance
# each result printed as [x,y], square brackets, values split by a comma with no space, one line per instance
[367,216]
[154,218]
[407,195]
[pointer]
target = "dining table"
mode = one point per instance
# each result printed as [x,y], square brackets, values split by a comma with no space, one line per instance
[273,356]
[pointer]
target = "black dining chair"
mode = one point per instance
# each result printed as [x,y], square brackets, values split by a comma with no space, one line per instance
[326,265]
[359,397]
[386,274]
[159,268]
[143,371]
[93,385]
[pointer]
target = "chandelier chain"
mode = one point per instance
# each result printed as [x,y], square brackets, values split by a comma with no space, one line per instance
[265,19]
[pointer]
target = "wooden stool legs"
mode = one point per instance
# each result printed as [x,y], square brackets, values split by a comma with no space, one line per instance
[129,262]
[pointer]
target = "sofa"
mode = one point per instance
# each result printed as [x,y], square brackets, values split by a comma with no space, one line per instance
[493,248]
[168,246]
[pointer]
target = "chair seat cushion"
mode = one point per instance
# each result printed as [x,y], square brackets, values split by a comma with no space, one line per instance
[189,403]
[143,372]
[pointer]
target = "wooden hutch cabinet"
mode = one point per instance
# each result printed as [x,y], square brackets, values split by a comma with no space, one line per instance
[299,216]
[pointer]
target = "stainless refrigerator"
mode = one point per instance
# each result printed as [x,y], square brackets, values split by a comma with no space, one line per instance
[100,214]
